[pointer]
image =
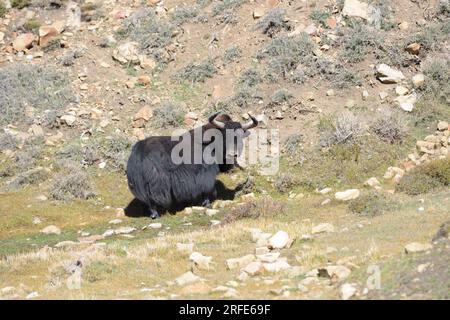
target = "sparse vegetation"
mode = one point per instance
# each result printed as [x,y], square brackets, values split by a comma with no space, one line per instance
[293,143]
[284,182]
[31,24]
[320,16]
[281,96]
[29,177]
[3,10]
[71,185]
[151,33]
[250,78]
[265,207]
[197,72]
[20,4]
[370,204]
[232,54]
[359,42]
[185,14]
[8,141]
[68,59]
[225,5]
[431,37]
[43,87]
[343,128]
[426,177]
[273,22]
[167,115]
[390,126]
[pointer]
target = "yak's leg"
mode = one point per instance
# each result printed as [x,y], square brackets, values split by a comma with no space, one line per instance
[207,203]
[210,198]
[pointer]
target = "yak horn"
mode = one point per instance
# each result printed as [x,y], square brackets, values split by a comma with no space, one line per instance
[253,123]
[217,123]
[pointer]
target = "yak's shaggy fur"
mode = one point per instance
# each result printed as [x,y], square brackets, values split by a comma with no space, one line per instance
[159,183]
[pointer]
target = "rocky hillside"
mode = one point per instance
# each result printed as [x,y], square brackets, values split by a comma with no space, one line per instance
[360,94]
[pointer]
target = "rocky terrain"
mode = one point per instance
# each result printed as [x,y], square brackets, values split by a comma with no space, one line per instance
[360,94]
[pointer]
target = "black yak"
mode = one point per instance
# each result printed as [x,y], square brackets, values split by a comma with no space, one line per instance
[163,184]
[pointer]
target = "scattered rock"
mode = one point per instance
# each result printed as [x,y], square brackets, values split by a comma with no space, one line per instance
[32,295]
[401,90]
[47,34]
[322,228]
[355,8]
[51,230]
[115,221]
[347,195]
[187,278]
[201,261]
[334,272]
[23,42]
[348,290]
[108,233]
[69,119]
[258,13]
[388,75]
[211,212]
[373,183]
[418,80]
[268,257]
[414,48]
[124,230]
[155,225]
[253,268]
[383,95]
[407,102]
[276,266]
[236,263]
[127,53]
[414,247]
[442,125]
[279,240]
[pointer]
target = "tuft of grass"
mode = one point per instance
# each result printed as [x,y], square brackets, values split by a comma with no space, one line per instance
[426,177]
[370,204]
[8,141]
[443,8]
[385,18]
[284,54]
[167,115]
[273,22]
[293,143]
[197,72]
[281,96]
[244,96]
[151,33]
[342,128]
[390,126]
[250,78]
[359,42]
[29,177]
[226,5]
[320,16]
[43,87]
[71,185]
[20,4]
[185,14]
[284,182]
[431,37]
[32,25]
[3,10]
[265,207]
[68,59]
[232,54]
[437,71]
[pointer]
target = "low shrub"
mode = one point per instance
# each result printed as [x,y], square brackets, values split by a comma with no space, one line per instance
[370,204]
[71,185]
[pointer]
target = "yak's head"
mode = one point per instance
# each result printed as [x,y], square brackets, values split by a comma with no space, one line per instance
[232,133]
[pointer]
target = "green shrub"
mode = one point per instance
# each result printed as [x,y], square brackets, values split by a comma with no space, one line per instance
[39,86]
[341,128]
[224,5]
[167,115]
[358,42]
[249,78]
[320,16]
[427,177]
[232,54]
[431,37]
[273,22]
[32,25]
[197,72]
[3,10]
[390,126]
[71,185]
[281,96]
[151,33]
[8,142]
[29,177]
[370,204]
[293,144]
[185,14]
[20,4]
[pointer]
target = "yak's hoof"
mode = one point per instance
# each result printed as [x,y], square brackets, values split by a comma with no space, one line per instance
[207,204]
[154,214]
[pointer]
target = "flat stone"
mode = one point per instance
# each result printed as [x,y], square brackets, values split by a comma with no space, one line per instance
[322,228]
[279,240]
[235,263]
[51,230]
[347,195]
[414,247]
[187,278]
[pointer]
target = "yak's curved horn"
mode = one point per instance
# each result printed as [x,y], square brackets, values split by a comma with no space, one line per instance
[215,122]
[251,124]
